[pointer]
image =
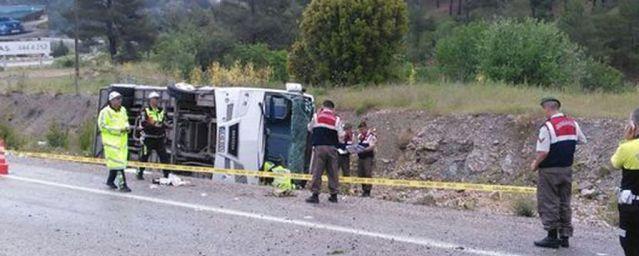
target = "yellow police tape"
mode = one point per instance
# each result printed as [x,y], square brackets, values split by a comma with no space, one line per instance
[296,176]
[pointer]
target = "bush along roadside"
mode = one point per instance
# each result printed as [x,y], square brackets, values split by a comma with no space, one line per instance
[529,52]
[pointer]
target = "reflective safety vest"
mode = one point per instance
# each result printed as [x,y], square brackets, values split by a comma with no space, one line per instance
[156,130]
[324,130]
[113,126]
[156,114]
[627,158]
[364,142]
[563,142]
[280,183]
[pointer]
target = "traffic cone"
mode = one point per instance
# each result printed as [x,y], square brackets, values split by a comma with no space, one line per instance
[4,166]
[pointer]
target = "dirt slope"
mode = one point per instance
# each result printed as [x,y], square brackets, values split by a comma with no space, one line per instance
[32,114]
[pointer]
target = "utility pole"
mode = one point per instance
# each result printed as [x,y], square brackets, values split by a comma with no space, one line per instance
[75,44]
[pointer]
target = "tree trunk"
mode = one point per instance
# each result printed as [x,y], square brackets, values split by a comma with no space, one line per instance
[450,8]
[253,36]
[459,7]
[467,10]
[437,4]
[111,36]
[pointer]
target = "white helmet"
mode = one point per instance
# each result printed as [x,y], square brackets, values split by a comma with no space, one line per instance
[154,95]
[114,95]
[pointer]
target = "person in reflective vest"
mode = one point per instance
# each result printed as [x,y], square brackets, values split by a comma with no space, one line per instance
[626,158]
[153,133]
[325,127]
[558,138]
[366,155]
[283,185]
[113,122]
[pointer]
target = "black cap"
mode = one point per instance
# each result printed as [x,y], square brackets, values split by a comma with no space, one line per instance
[549,99]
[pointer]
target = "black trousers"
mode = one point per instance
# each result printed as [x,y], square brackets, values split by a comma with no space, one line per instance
[629,223]
[113,174]
[344,164]
[157,145]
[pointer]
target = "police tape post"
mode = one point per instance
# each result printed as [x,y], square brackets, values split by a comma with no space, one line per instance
[296,176]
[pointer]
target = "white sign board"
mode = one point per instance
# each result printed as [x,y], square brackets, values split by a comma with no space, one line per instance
[25,48]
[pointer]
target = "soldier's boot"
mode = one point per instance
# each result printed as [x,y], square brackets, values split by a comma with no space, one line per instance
[313,199]
[333,198]
[140,174]
[111,179]
[565,241]
[550,241]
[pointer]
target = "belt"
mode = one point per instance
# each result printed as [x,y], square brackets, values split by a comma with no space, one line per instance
[626,196]
[151,136]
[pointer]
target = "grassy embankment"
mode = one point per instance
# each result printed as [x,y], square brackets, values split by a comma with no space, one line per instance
[440,98]
[448,98]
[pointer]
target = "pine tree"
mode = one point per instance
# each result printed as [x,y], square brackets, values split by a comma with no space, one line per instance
[274,22]
[123,24]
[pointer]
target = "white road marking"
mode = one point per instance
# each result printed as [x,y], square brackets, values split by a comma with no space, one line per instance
[397,238]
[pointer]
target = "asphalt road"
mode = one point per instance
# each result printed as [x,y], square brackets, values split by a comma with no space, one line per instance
[56,208]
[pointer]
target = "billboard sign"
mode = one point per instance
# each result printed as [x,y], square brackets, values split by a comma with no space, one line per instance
[25,48]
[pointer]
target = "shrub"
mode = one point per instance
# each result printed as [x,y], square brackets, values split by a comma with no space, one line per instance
[64,62]
[350,42]
[59,49]
[196,76]
[57,137]
[86,134]
[175,53]
[261,57]
[11,137]
[530,51]
[523,206]
[458,54]
[238,74]
[299,64]
[602,77]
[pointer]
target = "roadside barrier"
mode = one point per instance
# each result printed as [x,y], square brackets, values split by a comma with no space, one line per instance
[296,176]
[4,166]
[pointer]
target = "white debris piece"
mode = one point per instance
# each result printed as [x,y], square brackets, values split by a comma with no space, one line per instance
[173,180]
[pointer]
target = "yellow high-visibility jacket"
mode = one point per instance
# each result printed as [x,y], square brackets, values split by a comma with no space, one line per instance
[113,127]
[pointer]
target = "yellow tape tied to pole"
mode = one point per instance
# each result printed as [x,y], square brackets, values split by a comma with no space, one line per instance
[296,176]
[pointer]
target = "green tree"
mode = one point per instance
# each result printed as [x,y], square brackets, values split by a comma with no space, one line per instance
[542,9]
[272,22]
[530,51]
[176,51]
[458,54]
[618,31]
[351,42]
[578,23]
[260,56]
[188,45]
[59,49]
[123,24]
[420,39]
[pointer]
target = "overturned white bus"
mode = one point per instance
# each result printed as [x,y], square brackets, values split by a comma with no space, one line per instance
[224,127]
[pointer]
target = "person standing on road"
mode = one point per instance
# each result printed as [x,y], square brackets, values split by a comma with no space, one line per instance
[344,158]
[558,137]
[114,128]
[153,133]
[366,155]
[626,158]
[325,127]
